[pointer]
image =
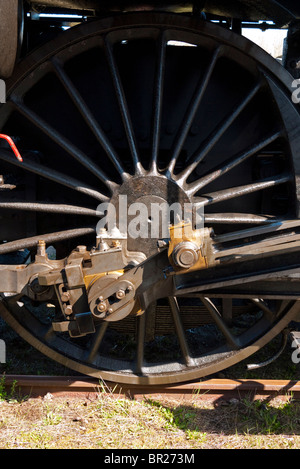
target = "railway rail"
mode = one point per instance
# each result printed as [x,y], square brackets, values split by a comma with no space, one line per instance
[155,151]
[210,389]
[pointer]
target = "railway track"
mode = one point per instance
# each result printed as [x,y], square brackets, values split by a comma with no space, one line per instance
[211,389]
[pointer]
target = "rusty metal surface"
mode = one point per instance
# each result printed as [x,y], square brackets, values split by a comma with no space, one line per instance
[211,389]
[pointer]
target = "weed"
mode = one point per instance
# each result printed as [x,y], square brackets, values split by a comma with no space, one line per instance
[181,418]
[51,418]
[4,394]
[35,439]
[262,417]
[196,435]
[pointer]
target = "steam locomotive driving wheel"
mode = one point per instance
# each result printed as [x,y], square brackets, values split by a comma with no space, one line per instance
[134,112]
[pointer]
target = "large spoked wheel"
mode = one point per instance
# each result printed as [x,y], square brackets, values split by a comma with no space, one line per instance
[158,108]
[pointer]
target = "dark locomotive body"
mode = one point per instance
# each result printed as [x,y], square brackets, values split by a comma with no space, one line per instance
[22,29]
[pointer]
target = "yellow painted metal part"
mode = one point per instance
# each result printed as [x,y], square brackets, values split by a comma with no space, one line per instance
[184,232]
[90,279]
[179,233]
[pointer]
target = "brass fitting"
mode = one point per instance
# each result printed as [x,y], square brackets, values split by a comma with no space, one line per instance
[186,247]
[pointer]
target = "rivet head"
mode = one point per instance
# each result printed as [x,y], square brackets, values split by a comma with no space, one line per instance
[120,294]
[101,307]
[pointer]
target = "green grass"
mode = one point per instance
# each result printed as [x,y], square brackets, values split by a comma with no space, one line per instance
[111,422]
[7,395]
[267,419]
[114,422]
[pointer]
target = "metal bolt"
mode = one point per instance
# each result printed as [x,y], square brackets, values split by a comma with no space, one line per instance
[120,294]
[68,310]
[65,296]
[185,254]
[110,310]
[103,246]
[101,307]
[41,248]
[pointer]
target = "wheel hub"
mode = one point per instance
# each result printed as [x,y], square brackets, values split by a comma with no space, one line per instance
[145,207]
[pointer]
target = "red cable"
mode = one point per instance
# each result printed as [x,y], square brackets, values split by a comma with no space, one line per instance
[12,145]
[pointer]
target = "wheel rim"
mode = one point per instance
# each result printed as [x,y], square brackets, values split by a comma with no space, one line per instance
[170,134]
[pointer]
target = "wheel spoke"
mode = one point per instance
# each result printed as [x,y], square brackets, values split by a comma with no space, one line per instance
[89,118]
[220,196]
[216,135]
[232,163]
[48,208]
[96,342]
[65,144]
[261,304]
[158,99]
[192,110]
[141,333]
[239,218]
[227,310]
[54,176]
[216,316]
[123,106]
[59,236]
[180,331]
